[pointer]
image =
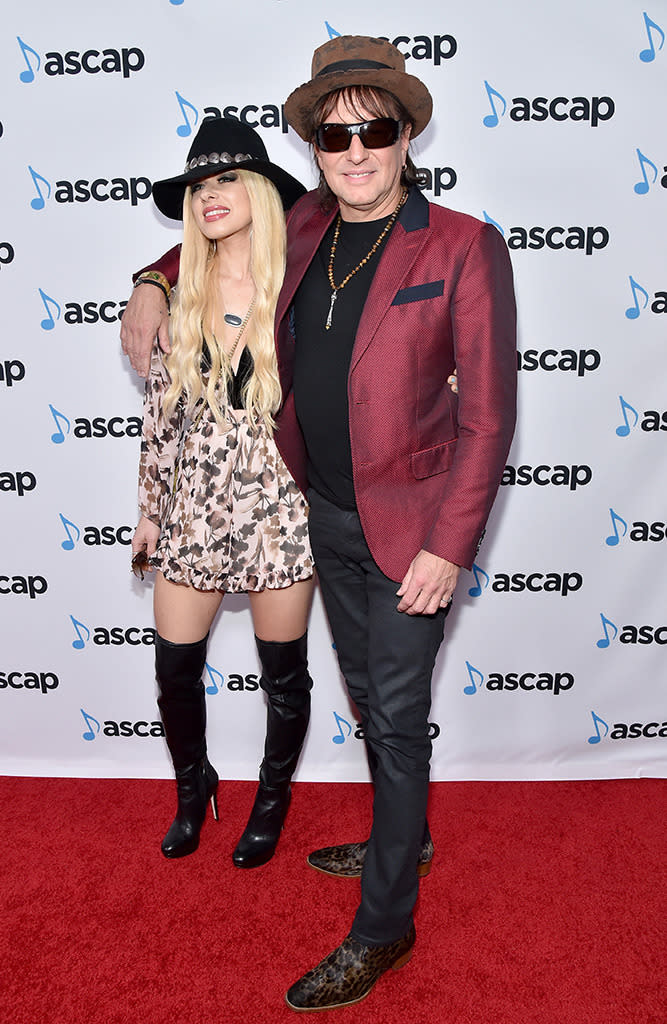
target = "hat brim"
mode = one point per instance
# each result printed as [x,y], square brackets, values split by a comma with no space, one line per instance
[411,92]
[169,193]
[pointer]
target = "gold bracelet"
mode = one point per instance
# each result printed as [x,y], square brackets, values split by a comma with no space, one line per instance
[156,278]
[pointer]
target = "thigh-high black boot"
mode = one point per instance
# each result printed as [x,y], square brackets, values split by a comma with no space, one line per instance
[286,682]
[182,704]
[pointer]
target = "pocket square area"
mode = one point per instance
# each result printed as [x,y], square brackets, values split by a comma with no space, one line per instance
[429,290]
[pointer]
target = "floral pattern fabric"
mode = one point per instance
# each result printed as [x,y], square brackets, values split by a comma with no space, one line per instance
[231,516]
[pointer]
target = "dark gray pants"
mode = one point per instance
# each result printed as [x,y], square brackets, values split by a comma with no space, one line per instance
[387,659]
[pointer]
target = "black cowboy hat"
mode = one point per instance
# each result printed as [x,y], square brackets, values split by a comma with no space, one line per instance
[222,144]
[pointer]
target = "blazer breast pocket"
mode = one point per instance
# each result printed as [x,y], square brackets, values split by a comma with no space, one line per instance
[430,461]
[417,292]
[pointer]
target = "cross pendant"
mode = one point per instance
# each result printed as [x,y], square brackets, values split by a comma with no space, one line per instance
[334,296]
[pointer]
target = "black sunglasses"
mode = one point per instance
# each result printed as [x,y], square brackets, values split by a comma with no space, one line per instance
[376,134]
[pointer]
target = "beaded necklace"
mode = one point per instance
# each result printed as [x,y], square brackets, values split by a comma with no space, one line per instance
[335,289]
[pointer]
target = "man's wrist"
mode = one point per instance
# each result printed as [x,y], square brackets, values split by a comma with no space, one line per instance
[157,279]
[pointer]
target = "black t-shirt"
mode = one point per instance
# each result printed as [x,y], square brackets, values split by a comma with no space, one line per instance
[322,358]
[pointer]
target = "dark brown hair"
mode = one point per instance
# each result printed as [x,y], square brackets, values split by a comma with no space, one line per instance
[361,100]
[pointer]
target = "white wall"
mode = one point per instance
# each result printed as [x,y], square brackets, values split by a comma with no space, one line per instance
[550,172]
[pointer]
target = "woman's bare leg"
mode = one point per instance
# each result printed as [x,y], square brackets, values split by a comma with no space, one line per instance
[183,615]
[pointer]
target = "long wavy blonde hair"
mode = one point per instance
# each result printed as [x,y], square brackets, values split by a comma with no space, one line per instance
[196,307]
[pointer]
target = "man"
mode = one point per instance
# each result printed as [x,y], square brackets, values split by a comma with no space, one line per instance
[384,295]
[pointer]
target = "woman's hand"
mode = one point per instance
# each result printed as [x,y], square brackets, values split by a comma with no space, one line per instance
[145,540]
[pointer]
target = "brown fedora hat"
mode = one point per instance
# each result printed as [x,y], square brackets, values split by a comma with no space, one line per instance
[358,60]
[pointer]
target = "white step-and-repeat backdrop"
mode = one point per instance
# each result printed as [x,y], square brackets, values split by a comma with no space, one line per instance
[549,122]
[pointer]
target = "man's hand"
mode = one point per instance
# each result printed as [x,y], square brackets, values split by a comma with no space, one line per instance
[427,585]
[145,317]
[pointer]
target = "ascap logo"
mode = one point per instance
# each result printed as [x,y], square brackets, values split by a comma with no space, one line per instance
[94,536]
[266,115]
[512,682]
[119,190]
[435,48]
[33,586]
[112,729]
[6,252]
[126,61]
[517,582]
[108,311]
[99,426]
[42,682]
[556,476]
[639,531]
[568,359]
[648,169]
[19,482]
[11,371]
[650,421]
[630,634]
[111,636]
[587,239]
[235,681]
[653,32]
[436,180]
[357,732]
[540,108]
[641,299]
[623,731]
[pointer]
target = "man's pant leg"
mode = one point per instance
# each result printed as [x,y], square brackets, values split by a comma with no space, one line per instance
[392,691]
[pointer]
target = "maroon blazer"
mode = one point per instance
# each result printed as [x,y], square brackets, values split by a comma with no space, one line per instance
[427,465]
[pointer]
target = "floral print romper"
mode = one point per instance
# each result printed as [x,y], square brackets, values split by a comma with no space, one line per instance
[231,516]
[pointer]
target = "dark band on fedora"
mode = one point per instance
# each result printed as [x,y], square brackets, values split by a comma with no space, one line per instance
[352,65]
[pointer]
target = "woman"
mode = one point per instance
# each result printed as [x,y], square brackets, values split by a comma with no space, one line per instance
[220,511]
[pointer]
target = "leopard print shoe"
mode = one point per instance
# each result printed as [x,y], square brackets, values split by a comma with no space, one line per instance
[348,974]
[347,860]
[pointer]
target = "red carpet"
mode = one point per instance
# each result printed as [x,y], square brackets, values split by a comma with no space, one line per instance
[546,904]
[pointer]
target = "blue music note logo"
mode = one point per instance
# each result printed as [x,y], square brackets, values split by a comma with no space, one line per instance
[213,675]
[48,323]
[646,56]
[332,31]
[625,427]
[490,220]
[176,3]
[632,312]
[642,187]
[614,538]
[340,722]
[90,721]
[604,641]
[59,436]
[79,643]
[68,545]
[491,120]
[476,680]
[478,573]
[39,202]
[185,129]
[597,722]
[29,75]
